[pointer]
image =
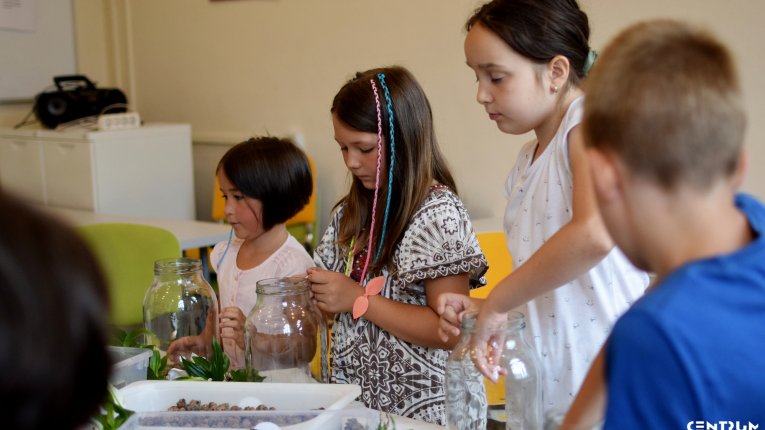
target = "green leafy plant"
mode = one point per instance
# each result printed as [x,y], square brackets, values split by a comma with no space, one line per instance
[387,424]
[213,369]
[197,368]
[157,368]
[245,375]
[217,368]
[113,414]
[131,338]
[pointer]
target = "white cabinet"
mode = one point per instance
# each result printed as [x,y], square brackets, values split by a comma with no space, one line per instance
[145,171]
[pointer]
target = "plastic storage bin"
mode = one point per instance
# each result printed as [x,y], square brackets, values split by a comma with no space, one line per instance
[339,419]
[158,396]
[129,365]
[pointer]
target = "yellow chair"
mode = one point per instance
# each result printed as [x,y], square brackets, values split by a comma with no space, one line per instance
[301,225]
[315,364]
[126,253]
[500,262]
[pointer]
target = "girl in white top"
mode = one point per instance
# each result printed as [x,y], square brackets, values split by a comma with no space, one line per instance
[569,281]
[265,181]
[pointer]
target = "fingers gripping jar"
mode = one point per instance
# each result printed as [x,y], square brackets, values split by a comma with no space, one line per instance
[180,309]
[466,403]
[282,331]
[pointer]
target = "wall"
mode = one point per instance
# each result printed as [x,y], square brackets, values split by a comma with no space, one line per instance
[237,68]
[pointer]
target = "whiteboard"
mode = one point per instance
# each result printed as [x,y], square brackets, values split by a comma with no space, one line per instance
[30,59]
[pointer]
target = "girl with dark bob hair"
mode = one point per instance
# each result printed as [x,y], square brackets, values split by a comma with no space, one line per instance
[265,182]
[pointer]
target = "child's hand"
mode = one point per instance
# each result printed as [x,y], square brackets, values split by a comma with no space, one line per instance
[232,325]
[487,344]
[451,307]
[333,291]
[185,346]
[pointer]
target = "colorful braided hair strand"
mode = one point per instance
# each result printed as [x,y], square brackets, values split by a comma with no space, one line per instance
[377,181]
[389,105]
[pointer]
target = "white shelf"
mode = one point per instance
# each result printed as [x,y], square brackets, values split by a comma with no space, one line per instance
[144,171]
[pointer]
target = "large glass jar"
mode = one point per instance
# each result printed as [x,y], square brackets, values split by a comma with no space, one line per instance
[180,309]
[283,330]
[466,403]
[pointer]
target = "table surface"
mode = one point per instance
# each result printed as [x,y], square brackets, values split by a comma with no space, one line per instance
[402,423]
[190,234]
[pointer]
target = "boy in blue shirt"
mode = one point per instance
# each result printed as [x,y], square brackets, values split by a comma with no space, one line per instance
[664,123]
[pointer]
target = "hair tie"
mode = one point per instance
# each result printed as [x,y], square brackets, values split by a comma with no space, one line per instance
[592,56]
[392,158]
[377,182]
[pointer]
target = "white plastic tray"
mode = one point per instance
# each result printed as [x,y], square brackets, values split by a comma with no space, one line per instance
[158,396]
[129,365]
[336,419]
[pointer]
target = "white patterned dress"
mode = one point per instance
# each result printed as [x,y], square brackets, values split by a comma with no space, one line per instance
[569,324]
[396,376]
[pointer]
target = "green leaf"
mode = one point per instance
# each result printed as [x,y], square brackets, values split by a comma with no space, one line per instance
[130,339]
[191,378]
[217,367]
[157,366]
[201,362]
[113,414]
[388,424]
[245,375]
[219,362]
[193,368]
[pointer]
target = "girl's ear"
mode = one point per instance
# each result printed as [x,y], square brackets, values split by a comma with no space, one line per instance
[558,69]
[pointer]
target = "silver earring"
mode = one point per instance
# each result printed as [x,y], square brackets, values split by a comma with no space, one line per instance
[555,89]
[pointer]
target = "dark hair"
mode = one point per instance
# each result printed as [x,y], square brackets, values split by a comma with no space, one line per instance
[272,170]
[539,30]
[53,323]
[418,159]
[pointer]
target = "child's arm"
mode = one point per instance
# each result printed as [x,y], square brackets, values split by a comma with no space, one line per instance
[590,403]
[570,252]
[335,292]
[451,307]
[185,346]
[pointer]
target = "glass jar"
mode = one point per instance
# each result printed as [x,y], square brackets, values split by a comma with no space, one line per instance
[180,309]
[282,331]
[466,403]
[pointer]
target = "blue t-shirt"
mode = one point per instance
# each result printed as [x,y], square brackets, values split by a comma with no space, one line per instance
[692,351]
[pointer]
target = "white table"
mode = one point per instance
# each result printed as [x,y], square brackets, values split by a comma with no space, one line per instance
[402,423]
[190,234]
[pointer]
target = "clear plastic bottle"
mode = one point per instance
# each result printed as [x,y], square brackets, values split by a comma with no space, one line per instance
[181,304]
[282,331]
[466,404]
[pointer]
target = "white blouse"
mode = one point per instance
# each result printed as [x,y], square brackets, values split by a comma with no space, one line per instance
[569,324]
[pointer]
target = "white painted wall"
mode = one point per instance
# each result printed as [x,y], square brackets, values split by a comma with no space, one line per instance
[237,68]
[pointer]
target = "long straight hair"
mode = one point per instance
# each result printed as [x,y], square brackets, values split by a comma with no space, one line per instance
[418,160]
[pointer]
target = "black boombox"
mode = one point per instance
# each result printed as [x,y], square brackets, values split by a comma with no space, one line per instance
[76,97]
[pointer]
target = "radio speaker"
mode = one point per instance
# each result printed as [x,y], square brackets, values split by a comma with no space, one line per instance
[76,97]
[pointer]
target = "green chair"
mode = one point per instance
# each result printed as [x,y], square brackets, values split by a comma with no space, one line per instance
[127,253]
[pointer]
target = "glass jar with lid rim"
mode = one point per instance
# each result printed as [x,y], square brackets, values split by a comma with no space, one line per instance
[283,331]
[467,406]
[180,308]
